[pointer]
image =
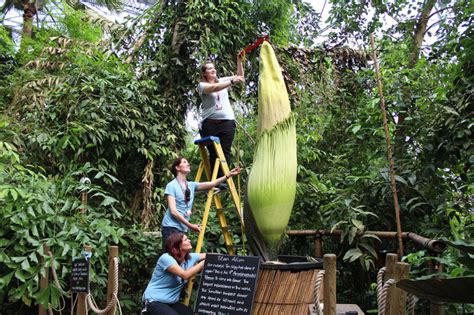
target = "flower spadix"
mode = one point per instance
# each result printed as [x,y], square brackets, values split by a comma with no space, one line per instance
[272,180]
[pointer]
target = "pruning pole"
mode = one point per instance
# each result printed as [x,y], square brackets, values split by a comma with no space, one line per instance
[389,148]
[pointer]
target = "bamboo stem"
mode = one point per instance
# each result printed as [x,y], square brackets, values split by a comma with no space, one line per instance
[337,233]
[436,246]
[389,148]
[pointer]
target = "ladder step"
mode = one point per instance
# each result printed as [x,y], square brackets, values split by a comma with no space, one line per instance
[207,140]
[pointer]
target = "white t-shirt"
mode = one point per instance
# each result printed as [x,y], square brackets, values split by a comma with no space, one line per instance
[216,105]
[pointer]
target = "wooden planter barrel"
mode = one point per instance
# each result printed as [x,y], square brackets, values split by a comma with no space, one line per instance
[286,288]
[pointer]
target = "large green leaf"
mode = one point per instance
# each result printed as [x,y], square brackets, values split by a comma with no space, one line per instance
[456,290]
[462,245]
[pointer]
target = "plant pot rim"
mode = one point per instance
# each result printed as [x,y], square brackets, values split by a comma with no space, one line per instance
[293,263]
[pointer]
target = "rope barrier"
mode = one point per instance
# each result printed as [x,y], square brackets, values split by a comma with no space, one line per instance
[114,300]
[380,275]
[89,297]
[382,290]
[62,302]
[316,290]
[383,296]
[412,299]
[73,303]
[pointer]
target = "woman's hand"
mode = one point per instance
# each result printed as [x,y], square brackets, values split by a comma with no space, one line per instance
[240,68]
[238,79]
[209,185]
[186,274]
[233,172]
[200,265]
[195,227]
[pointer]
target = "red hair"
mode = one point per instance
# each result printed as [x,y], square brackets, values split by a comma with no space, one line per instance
[173,246]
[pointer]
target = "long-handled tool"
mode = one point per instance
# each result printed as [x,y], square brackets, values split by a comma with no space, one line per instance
[254,45]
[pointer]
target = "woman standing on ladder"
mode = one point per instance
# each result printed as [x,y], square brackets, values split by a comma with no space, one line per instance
[217,116]
[180,196]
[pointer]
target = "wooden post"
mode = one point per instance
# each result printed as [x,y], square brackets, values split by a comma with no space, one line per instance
[318,246]
[84,181]
[44,280]
[398,298]
[81,297]
[83,201]
[113,252]
[390,262]
[329,284]
[436,308]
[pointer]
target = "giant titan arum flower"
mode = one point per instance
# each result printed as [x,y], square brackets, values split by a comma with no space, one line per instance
[272,180]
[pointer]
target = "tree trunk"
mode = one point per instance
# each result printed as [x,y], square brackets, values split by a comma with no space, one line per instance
[420,30]
[177,39]
[29,10]
[417,41]
[139,43]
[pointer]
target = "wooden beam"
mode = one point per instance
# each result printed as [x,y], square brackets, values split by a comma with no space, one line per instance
[435,246]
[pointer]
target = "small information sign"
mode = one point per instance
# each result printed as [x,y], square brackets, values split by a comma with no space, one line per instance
[80,275]
[227,285]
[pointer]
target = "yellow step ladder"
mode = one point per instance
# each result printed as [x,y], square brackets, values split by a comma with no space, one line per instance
[205,166]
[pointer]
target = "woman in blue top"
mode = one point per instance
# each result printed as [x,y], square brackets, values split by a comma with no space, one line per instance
[171,273]
[180,196]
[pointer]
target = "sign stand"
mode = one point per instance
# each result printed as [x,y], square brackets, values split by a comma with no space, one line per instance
[227,285]
[80,275]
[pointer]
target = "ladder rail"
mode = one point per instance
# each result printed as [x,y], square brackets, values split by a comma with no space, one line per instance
[207,208]
[205,215]
[199,172]
[225,169]
[232,188]
[205,167]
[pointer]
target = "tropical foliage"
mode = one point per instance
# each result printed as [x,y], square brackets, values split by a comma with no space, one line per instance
[84,97]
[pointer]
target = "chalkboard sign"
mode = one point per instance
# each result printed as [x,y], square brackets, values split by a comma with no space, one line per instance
[227,285]
[80,275]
